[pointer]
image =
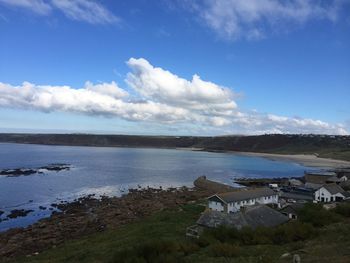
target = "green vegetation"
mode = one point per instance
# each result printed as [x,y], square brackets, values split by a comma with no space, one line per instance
[317,216]
[320,236]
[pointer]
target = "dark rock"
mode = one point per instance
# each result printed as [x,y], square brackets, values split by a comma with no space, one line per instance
[19,213]
[89,215]
[30,171]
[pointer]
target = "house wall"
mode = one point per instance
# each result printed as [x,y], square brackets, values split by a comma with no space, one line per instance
[322,195]
[236,206]
[291,215]
[343,178]
[216,206]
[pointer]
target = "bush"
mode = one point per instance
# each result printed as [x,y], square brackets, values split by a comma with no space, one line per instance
[343,209]
[223,233]
[189,248]
[292,232]
[152,252]
[204,240]
[225,250]
[316,215]
[286,233]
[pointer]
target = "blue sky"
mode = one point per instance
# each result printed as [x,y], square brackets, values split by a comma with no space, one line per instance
[263,66]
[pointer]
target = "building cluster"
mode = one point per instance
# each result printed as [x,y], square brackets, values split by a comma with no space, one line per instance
[273,205]
[319,187]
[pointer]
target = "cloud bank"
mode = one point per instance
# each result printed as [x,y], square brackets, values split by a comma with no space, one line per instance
[253,19]
[161,98]
[81,10]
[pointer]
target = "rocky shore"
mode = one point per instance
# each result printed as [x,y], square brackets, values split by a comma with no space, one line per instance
[30,171]
[89,215]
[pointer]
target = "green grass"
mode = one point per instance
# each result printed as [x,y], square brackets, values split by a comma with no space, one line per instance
[101,247]
[165,231]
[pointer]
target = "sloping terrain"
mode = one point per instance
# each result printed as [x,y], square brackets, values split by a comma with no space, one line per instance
[336,147]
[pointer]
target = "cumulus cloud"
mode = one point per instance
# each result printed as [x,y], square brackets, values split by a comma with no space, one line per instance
[162,98]
[109,89]
[161,85]
[81,10]
[104,99]
[235,19]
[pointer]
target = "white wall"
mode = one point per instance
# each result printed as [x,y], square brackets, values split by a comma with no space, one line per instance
[343,178]
[236,206]
[216,206]
[322,192]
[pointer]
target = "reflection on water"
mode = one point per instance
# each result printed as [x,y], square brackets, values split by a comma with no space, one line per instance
[111,171]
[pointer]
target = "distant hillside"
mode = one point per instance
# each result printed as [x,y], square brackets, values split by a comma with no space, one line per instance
[337,147]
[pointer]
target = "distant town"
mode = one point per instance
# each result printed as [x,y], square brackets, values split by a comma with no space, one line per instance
[274,203]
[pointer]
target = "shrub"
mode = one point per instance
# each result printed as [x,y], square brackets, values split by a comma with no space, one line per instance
[247,236]
[189,248]
[343,209]
[316,215]
[224,234]
[159,251]
[225,250]
[204,240]
[292,232]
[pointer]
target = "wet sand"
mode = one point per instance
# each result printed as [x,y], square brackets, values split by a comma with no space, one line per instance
[303,159]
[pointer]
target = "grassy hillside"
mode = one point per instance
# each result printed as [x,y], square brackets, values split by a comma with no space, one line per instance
[322,236]
[337,147]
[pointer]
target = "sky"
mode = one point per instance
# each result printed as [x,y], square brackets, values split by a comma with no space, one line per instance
[175,67]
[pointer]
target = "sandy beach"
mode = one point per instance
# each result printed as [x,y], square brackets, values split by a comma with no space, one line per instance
[304,159]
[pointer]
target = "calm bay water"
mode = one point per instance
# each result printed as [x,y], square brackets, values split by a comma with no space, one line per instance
[110,171]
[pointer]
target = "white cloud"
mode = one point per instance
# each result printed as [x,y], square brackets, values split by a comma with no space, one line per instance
[38,6]
[85,10]
[162,98]
[161,85]
[235,19]
[109,89]
[81,10]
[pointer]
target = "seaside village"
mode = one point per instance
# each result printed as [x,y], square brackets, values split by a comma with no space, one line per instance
[269,202]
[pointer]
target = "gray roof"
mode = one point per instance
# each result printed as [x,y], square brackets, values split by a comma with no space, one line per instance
[346,194]
[333,179]
[294,181]
[296,196]
[316,178]
[313,186]
[252,216]
[292,208]
[333,188]
[245,194]
[321,173]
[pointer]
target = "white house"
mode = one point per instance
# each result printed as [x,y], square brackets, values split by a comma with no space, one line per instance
[232,202]
[344,178]
[331,193]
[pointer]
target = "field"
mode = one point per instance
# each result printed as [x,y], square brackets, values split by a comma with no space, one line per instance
[321,236]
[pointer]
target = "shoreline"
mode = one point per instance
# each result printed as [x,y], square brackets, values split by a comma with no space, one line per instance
[302,159]
[309,160]
[89,215]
